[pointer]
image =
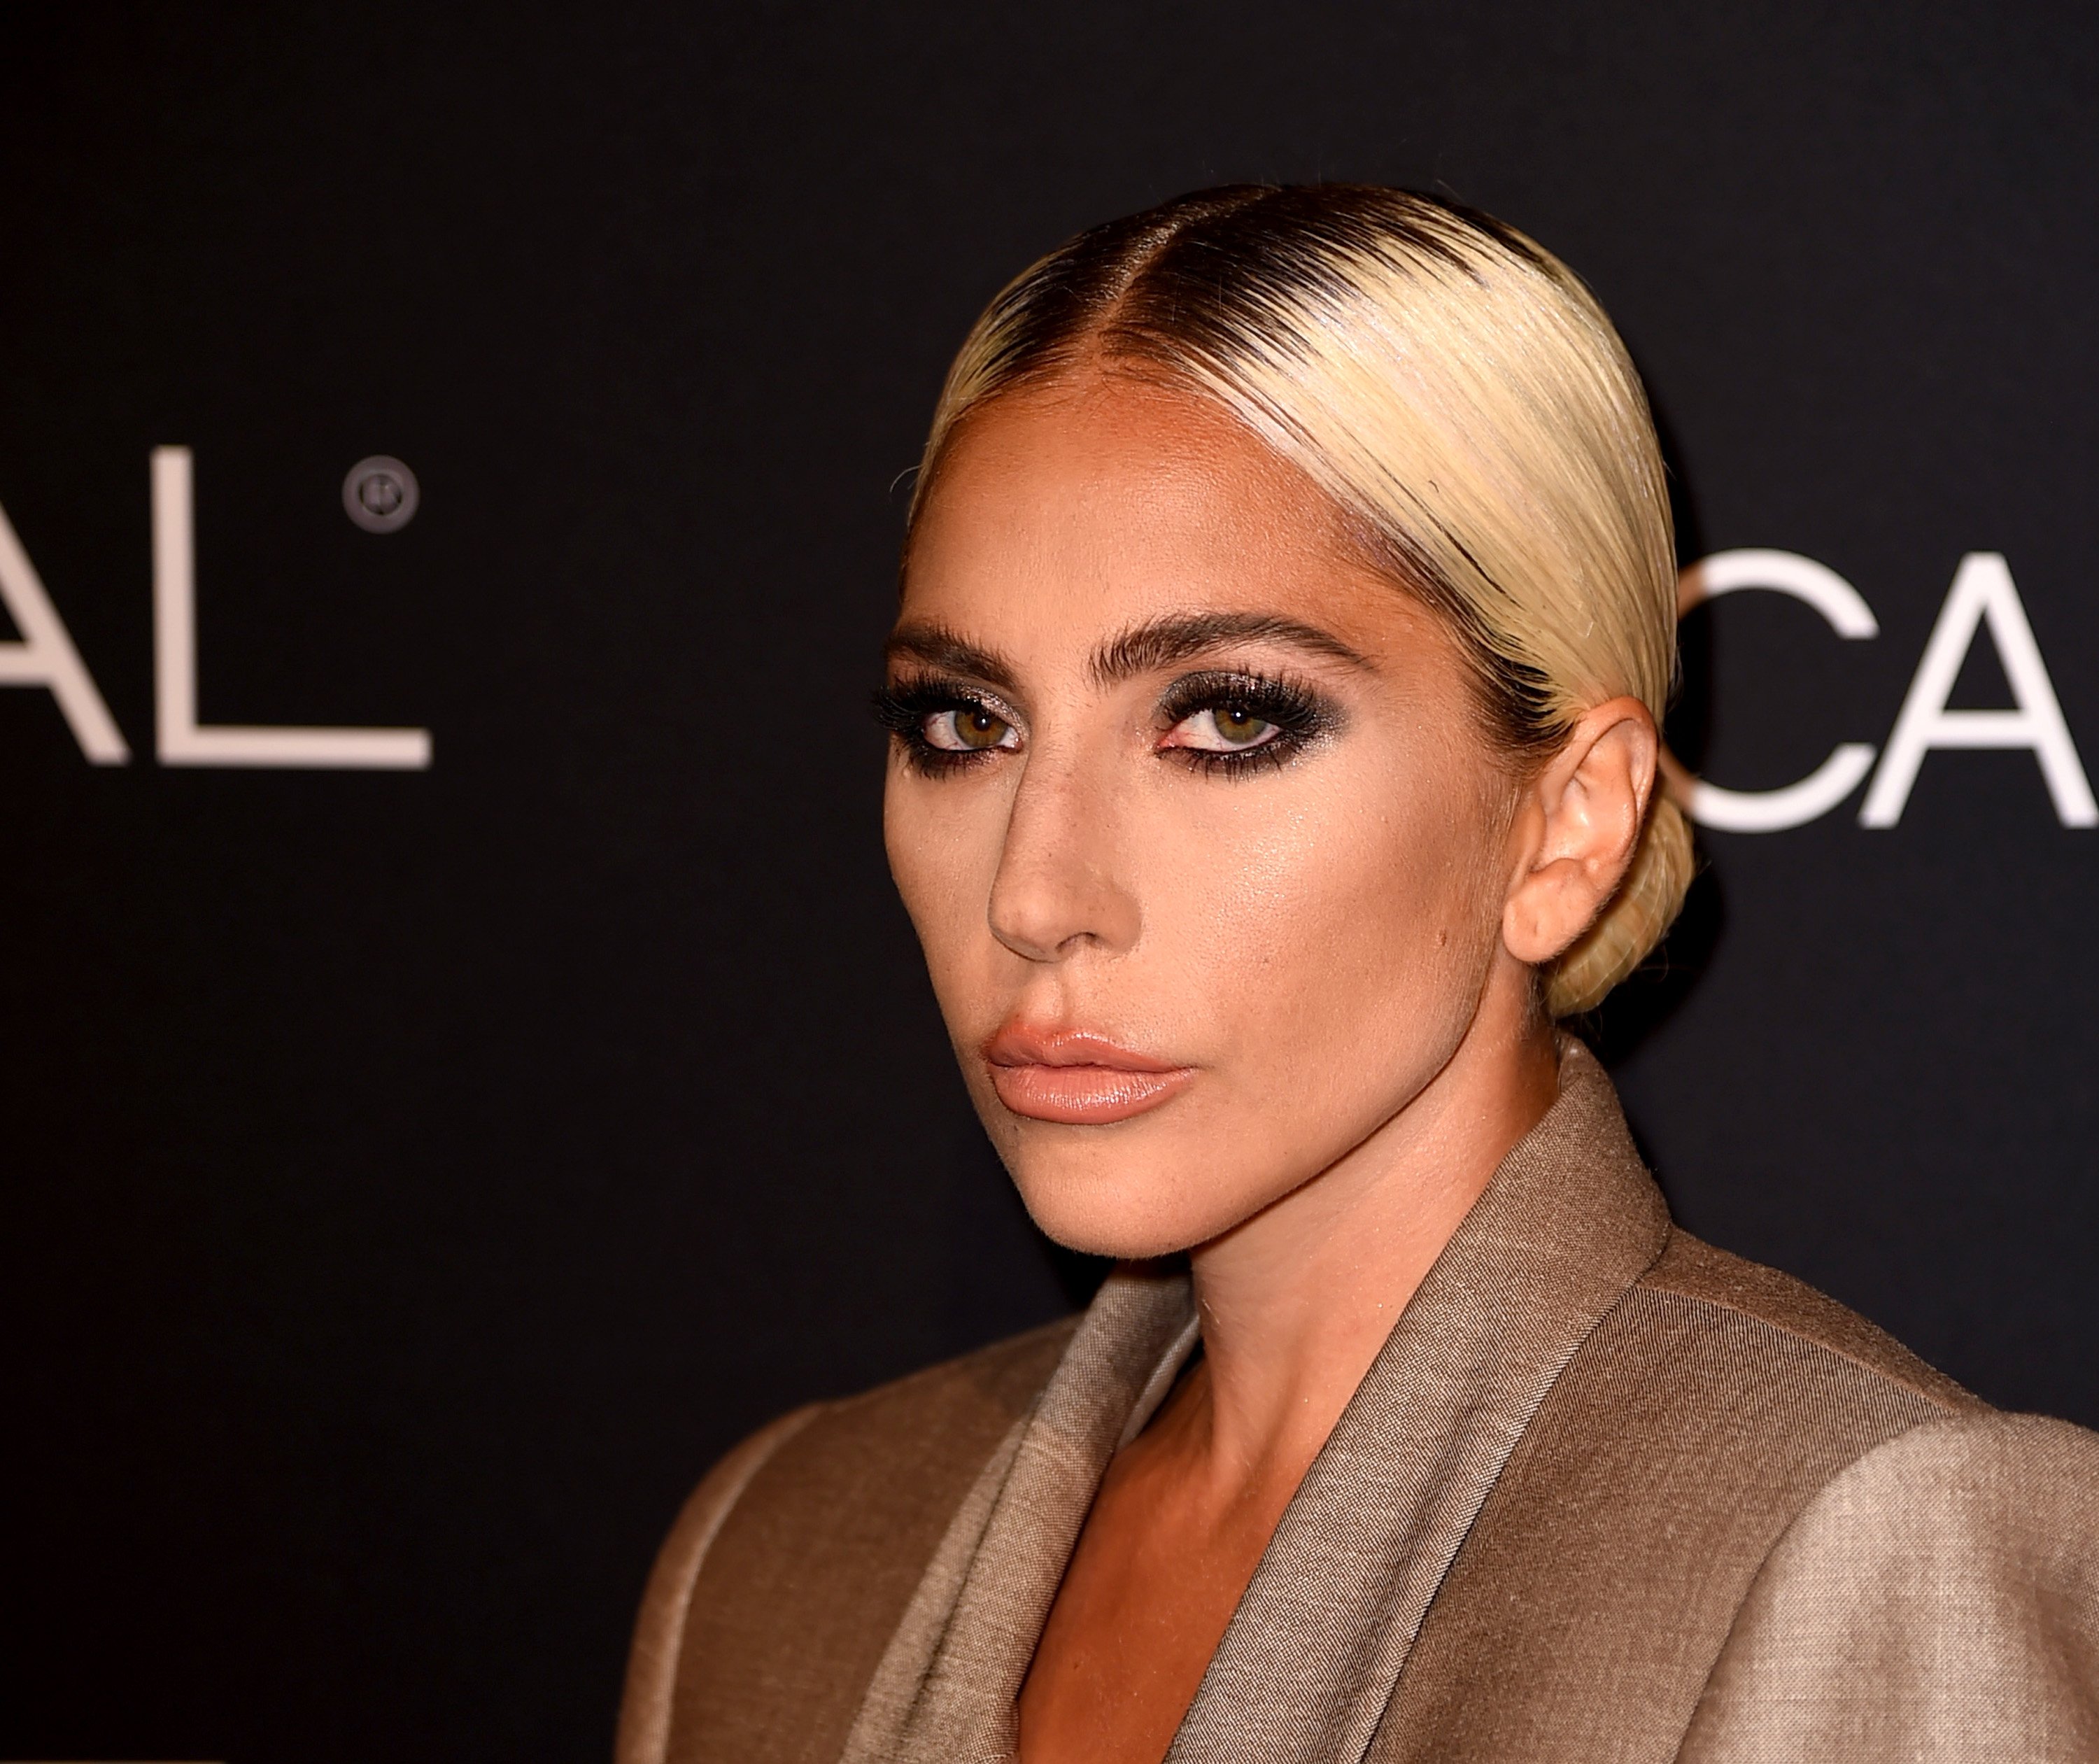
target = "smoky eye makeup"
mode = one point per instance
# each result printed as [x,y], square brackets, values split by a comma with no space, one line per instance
[1218,722]
[944,726]
[1230,722]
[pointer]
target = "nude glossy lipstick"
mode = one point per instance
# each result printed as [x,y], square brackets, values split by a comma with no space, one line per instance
[1079,1079]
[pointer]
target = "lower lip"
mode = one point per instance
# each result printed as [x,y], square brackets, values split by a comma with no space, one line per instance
[1084,1096]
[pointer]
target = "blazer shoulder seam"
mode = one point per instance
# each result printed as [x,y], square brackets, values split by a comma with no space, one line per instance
[644,1721]
[1881,1375]
[1010,1346]
[1960,1426]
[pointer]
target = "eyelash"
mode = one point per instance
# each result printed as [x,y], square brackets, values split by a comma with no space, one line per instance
[1299,715]
[902,709]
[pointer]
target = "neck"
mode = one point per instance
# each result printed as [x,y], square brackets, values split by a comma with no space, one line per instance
[1297,1302]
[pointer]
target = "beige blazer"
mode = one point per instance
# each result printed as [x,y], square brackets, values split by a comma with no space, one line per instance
[1606,1493]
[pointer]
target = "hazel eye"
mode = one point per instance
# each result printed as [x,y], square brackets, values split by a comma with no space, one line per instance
[968,729]
[1224,729]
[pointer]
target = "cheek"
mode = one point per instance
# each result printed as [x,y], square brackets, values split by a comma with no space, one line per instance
[1317,943]
[1358,916]
[943,839]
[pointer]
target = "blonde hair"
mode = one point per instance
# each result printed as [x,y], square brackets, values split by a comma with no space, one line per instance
[1460,396]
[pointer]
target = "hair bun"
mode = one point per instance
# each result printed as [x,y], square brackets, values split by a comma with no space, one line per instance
[1463,400]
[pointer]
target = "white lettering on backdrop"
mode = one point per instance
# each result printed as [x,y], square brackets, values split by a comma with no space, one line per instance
[183,741]
[1983,593]
[1849,616]
[46,656]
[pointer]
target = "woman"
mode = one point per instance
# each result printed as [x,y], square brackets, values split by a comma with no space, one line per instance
[1287,613]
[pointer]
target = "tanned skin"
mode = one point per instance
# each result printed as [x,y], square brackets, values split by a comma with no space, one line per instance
[1319,966]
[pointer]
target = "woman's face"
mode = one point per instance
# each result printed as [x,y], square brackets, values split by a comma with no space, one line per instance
[1191,811]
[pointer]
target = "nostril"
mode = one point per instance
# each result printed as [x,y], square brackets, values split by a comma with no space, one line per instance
[1034,917]
[1053,911]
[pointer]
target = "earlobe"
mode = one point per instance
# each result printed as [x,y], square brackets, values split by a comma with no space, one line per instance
[1579,828]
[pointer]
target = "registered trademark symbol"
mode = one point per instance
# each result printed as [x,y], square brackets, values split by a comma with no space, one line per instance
[379,494]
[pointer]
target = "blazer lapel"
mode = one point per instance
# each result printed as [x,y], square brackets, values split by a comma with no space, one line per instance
[1310,1659]
[945,1691]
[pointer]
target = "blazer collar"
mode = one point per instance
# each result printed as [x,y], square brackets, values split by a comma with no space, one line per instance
[1310,1659]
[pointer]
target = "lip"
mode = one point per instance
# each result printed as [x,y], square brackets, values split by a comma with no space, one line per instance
[1077,1079]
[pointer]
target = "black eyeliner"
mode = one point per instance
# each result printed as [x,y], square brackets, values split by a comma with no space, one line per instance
[903,707]
[1299,715]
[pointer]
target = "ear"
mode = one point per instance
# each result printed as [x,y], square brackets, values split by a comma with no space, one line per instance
[1576,828]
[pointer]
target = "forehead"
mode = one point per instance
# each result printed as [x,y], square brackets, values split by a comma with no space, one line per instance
[1061,515]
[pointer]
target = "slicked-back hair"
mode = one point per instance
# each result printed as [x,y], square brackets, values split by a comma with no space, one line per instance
[1459,395]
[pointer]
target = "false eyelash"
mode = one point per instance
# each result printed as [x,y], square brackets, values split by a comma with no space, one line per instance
[902,709]
[1301,716]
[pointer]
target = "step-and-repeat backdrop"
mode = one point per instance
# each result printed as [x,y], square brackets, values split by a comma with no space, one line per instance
[461,1062]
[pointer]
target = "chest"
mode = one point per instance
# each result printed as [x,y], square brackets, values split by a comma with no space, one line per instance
[1143,1606]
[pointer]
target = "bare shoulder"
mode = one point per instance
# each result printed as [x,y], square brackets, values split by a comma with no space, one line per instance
[1938,1599]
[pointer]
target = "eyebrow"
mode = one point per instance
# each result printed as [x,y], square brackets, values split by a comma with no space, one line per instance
[1156,643]
[1163,643]
[939,646]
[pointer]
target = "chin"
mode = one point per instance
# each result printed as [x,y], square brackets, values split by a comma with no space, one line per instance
[1118,1196]
[1094,1230]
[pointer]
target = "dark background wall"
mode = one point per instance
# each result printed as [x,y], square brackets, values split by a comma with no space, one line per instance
[411,1180]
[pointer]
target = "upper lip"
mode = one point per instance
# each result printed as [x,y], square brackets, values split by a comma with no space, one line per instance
[1021,1044]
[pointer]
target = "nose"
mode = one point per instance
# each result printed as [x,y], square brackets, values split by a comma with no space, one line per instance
[1058,891]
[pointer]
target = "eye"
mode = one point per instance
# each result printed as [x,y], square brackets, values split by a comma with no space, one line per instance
[967,728]
[1224,729]
[944,727]
[1230,725]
